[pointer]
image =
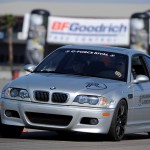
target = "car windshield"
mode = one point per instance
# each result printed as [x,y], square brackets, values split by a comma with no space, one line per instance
[101,64]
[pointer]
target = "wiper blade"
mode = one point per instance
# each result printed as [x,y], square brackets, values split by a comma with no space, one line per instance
[47,71]
[44,71]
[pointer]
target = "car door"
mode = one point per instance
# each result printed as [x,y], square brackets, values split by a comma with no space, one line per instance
[141,113]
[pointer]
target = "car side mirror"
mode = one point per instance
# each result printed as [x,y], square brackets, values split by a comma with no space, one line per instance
[140,78]
[29,68]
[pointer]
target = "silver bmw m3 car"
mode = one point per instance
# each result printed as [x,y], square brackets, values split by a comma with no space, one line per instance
[92,89]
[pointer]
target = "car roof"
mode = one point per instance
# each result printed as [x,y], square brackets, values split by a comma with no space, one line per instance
[105,48]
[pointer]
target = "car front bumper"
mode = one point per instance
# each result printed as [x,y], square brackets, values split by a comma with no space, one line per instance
[55,117]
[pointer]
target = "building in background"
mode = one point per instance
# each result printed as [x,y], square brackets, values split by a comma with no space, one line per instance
[85,9]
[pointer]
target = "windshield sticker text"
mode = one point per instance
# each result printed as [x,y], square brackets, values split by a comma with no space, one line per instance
[87,52]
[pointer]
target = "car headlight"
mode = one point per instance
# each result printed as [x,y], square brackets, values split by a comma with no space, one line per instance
[15,93]
[91,100]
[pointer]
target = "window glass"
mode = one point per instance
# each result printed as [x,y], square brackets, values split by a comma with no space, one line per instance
[138,67]
[147,59]
[93,63]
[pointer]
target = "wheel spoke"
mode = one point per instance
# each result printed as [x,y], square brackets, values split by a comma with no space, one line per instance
[120,129]
[124,119]
[122,110]
[121,121]
[118,125]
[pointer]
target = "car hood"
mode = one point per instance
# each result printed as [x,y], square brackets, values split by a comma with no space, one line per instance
[66,83]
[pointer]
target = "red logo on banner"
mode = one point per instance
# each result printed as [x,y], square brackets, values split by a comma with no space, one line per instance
[57,25]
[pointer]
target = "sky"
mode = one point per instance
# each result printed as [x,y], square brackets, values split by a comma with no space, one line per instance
[83,1]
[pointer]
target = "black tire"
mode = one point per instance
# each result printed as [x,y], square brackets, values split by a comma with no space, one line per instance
[117,128]
[8,131]
[149,134]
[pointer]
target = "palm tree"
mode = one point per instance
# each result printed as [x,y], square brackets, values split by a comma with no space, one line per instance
[7,22]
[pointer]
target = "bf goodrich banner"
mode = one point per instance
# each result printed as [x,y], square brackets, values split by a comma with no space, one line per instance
[65,30]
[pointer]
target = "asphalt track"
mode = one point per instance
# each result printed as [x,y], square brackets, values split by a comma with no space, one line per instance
[48,140]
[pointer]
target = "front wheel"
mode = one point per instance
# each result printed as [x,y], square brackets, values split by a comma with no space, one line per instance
[8,131]
[117,128]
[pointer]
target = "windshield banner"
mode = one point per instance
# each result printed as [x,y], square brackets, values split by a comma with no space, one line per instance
[65,30]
